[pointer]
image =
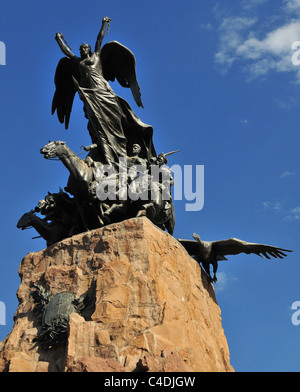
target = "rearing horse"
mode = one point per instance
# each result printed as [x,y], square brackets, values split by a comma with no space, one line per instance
[82,174]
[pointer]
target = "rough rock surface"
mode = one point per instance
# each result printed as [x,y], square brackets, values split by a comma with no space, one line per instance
[153,308]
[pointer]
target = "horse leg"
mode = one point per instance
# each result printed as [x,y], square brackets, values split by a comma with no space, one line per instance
[50,233]
[169,226]
[115,210]
[170,223]
[148,210]
[153,207]
[81,213]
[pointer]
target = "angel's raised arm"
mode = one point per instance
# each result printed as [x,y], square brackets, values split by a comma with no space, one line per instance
[64,47]
[101,34]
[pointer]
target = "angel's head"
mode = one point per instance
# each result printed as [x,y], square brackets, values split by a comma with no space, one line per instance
[85,49]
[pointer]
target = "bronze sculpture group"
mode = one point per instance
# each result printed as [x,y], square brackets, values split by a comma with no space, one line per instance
[122,176]
[121,155]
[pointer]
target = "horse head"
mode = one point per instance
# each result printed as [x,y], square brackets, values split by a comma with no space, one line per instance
[53,149]
[25,221]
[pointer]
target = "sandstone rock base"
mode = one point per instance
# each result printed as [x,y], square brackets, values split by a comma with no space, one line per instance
[153,308]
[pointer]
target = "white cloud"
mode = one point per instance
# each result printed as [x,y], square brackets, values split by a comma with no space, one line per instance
[248,4]
[206,26]
[286,214]
[275,206]
[292,4]
[294,214]
[241,40]
[244,121]
[223,281]
[231,38]
[287,104]
[266,204]
[287,173]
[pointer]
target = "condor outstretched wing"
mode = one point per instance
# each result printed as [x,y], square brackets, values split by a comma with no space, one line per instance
[234,246]
[65,89]
[118,62]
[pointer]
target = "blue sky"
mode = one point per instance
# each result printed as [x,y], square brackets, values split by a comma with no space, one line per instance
[219,84]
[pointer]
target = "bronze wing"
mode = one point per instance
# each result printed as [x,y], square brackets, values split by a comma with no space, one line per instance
[234,246]
[118,62]
[65,89]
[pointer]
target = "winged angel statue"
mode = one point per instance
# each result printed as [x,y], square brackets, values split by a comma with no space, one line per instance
[116,132]
[112,125]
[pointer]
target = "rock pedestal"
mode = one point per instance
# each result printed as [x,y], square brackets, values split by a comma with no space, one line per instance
[152,307]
